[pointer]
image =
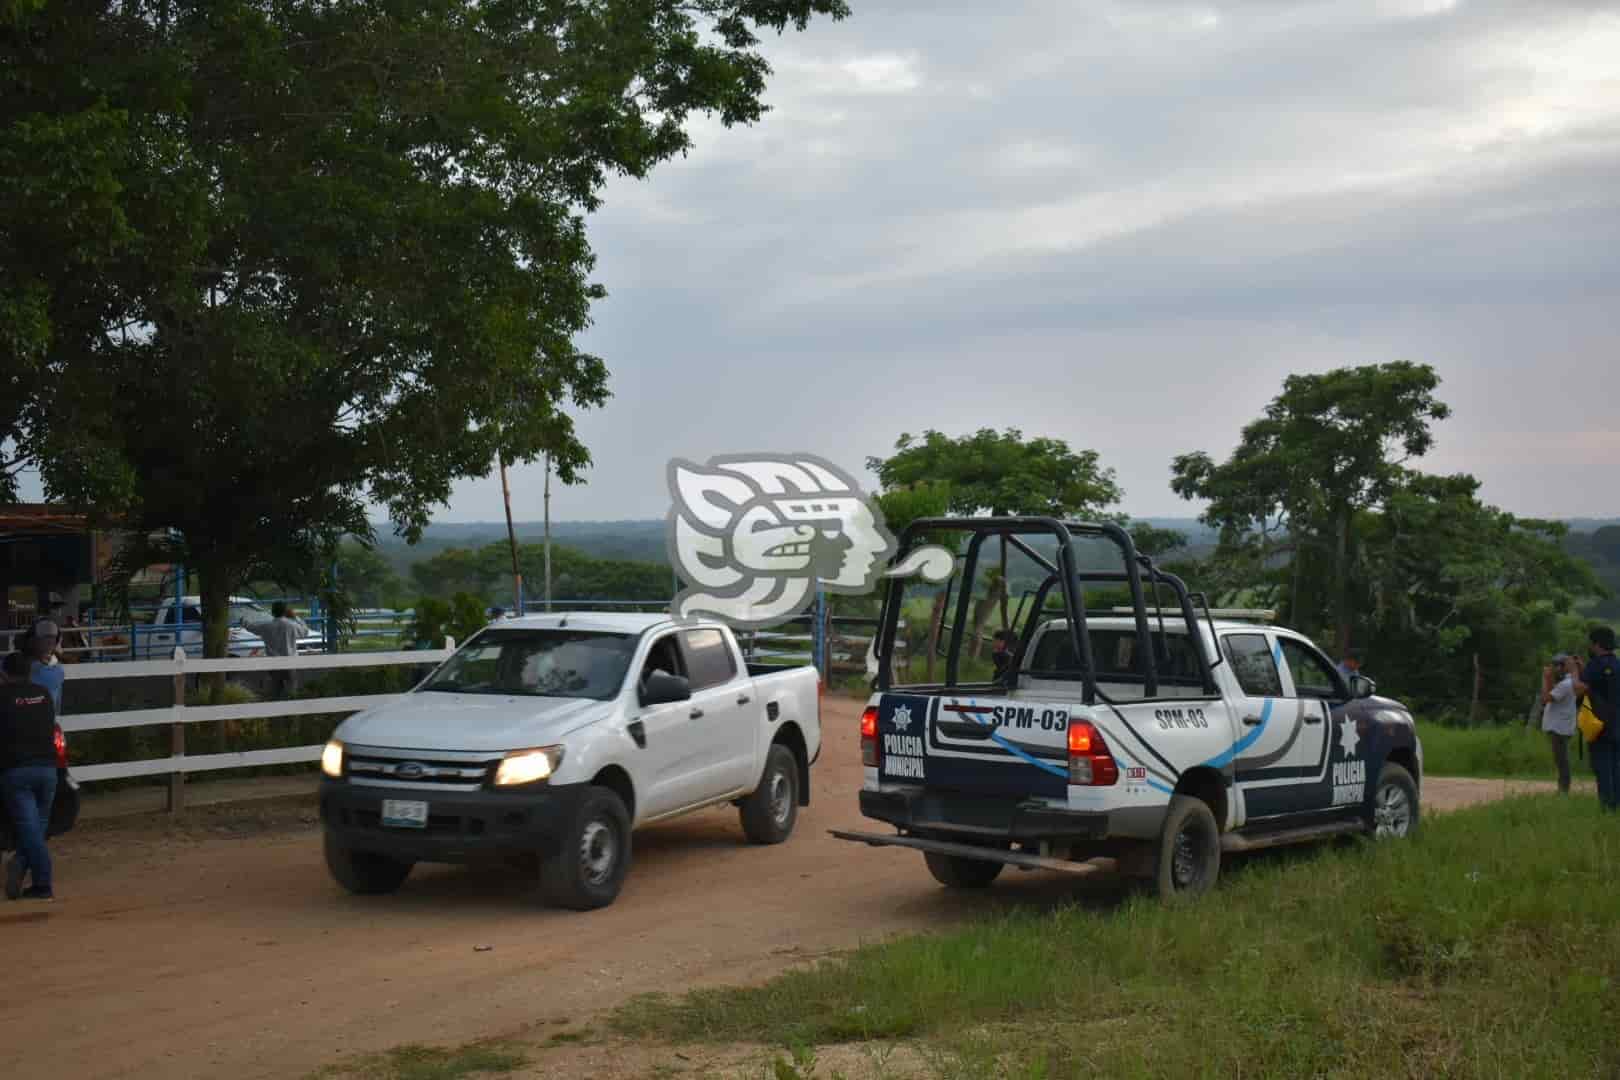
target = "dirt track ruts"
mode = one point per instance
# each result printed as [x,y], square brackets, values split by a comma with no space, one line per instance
[215,947]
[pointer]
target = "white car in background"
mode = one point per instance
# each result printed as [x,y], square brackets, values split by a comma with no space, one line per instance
[157,641]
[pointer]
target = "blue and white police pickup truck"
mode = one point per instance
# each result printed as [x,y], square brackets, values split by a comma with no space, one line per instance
[1145,741]
[546,739]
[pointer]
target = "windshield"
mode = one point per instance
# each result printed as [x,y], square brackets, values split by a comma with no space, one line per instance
[250,612]
[540,663]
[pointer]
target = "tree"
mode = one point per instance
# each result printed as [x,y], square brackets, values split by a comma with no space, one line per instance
[997,474]
[1329,446]
[367,576]
[433,620]
[267,262]
[484,573]
[1601,550]
[1461,600]
[1000,473]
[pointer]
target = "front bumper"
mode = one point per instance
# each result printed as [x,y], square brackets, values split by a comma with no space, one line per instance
[463,826]
[920,810]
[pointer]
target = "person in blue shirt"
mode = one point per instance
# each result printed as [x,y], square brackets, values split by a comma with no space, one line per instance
[27,776]
[45,670]
[1600,684]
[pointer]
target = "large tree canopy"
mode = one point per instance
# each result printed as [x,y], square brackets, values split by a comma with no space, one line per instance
[1328,446]
[993,472]
[263,262]
[1453,601]
[1000,473]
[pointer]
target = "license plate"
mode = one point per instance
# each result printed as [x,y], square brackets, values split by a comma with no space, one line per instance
[404,814]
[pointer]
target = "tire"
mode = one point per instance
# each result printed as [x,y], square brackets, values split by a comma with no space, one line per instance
[363,873]
[1395,808]
[960,872]
[589,869]
[769,814]
[1188,857]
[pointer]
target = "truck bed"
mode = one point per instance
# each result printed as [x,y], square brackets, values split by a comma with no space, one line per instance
[757,670]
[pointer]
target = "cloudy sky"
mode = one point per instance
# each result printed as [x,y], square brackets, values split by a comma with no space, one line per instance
[1122,224]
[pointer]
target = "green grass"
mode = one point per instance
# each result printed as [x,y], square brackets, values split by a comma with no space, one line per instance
[1512,751]
[1487,946]
[416,1062]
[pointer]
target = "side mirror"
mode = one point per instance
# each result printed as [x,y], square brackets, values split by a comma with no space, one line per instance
[1362,687]
[661,688]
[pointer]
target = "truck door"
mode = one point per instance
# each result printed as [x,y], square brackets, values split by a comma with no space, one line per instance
[1277,761]
[1314,687]
[160,641]
[729,724]
[665,768]
[191,636]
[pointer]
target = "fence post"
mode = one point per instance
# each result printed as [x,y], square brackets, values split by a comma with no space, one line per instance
[177,732]
[818,635]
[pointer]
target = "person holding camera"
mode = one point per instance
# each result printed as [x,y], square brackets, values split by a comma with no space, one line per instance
[1559,706]
[1599,683]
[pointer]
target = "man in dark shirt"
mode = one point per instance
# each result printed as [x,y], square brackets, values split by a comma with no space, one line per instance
[27,776]
[1002,657]
[1600,682]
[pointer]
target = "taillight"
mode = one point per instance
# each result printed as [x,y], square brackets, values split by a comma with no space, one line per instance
[1090,763]
[870,754]
[61,749]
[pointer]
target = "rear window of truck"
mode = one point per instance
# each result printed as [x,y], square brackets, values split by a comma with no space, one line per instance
[1116,656]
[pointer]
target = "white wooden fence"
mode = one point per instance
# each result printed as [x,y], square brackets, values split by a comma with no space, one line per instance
[179,714]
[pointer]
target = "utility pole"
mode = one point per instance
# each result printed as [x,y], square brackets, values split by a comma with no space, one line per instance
[511,539]
[548,531]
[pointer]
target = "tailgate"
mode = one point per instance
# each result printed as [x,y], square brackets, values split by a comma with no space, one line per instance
[991,746]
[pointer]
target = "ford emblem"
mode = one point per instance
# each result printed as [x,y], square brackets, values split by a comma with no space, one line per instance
[410,770]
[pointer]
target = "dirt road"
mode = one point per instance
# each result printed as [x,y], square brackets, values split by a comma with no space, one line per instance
[218,946]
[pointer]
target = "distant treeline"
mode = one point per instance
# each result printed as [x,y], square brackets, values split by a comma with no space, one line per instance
[486,572]
[1601,549]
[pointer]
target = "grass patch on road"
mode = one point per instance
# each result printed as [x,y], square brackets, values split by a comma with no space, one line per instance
[1486,946]
[416,1062]
[1512,751]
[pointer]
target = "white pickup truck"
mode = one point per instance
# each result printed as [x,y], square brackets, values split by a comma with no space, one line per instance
[1150,743]
[547,739]
[182,625]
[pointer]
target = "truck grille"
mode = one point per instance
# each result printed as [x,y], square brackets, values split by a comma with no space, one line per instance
[431,770]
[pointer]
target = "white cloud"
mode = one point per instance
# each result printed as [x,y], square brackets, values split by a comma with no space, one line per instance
[867,74]
[1123,223]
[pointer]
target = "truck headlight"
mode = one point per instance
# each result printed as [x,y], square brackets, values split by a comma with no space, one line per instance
[332,759]
[528,766]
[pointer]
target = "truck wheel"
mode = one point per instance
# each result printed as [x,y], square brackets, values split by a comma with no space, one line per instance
[1395,804]
[960,872]
[589,870]
[768,815]
[362,872]
[1189,850]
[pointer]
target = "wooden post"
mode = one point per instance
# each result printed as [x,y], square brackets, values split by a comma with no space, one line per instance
[548,531]
[1479,685]
[177,736]
[511,541]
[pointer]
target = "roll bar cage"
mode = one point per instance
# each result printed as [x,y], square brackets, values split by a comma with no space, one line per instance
[1137,568]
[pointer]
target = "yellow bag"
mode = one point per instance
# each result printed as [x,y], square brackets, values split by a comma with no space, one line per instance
[1587,720]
